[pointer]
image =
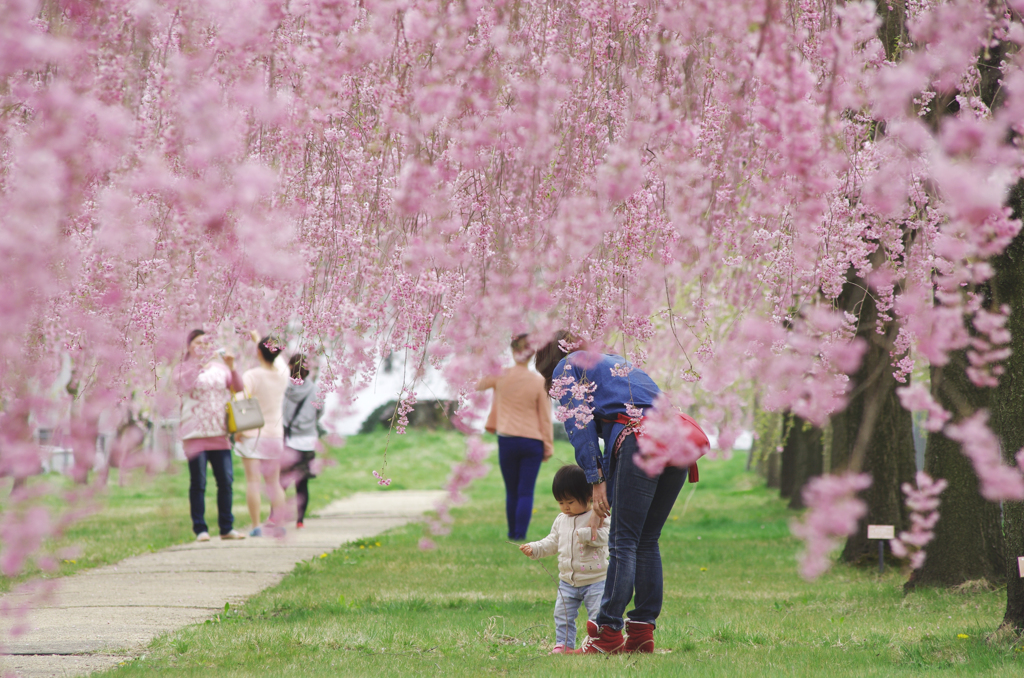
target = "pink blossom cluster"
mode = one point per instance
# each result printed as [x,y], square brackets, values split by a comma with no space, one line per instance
[406,404]
[834,511]
[998,481]
[381,480]
[916,398]
[581,393]
[668,440]
[923,502]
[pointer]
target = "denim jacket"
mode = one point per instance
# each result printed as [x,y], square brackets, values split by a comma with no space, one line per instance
[610,397]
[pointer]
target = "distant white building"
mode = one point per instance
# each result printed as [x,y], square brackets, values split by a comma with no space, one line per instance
[385,385]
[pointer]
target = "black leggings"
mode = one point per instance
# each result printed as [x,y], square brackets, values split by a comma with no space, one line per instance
[299,472]
[302,497]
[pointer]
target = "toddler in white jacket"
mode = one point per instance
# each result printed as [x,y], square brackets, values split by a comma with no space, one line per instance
[582,555]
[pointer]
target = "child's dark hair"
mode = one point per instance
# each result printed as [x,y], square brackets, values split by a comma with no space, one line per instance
[297,363]
[571,483]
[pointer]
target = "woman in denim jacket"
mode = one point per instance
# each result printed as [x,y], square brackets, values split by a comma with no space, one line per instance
[613,391]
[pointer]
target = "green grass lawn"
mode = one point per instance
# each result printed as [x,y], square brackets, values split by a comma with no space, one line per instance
[141,514]
[734,602]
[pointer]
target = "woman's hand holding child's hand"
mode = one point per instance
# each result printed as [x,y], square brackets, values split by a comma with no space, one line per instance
[595,523]
[527,550]
[601,509]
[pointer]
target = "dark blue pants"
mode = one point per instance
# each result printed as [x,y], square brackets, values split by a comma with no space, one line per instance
[519,459]
[220,460]
[640,506]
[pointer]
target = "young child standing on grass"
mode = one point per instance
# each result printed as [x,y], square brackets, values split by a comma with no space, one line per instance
[582,554]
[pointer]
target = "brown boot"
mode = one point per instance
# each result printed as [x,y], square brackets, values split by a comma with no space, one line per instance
[640,637]
[601,640]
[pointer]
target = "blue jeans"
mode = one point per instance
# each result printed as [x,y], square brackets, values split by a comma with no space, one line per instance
[640,506]
[220,460]
[519,459]
[568,605]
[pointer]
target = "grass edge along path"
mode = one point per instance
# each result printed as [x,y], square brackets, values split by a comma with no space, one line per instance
[143,514]
[734,603]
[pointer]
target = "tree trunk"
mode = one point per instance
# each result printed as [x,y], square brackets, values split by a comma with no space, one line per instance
[787,460]
[773,470]
[766,425]
[1007,411]
[893,31]
[969,540]
[805,442]
[968,537]
[890,461]
[794,458]
[874,434]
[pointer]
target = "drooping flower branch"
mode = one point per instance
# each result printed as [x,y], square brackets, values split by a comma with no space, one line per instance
[464,473]
[923,502]
[833,513]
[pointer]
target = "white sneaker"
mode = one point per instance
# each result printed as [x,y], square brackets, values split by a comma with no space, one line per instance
[203,536]
[233,534]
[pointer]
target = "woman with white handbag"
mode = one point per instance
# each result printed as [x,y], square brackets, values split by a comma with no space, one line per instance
[260,448]
[205,385]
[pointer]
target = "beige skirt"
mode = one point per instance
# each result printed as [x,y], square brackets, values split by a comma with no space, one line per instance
[259,448]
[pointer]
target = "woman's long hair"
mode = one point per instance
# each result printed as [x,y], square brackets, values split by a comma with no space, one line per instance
[551,353]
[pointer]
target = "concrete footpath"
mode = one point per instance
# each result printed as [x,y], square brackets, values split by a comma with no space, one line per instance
[103,616]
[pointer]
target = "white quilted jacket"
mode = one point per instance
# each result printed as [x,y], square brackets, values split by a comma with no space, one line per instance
[581,561]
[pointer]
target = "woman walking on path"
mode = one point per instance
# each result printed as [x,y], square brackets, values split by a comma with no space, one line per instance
[300,413]
[205,386]
[640,504]
[261,448]
[521,416]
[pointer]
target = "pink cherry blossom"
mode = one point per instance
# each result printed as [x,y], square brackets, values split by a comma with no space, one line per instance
[668,440]
[917,398]
[923,502]
[833,513]
[998,481]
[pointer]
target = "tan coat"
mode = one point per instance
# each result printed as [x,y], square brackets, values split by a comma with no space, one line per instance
[521,406]
[581,560]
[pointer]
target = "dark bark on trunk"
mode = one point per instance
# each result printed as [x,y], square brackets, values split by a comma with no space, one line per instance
[890,461]
[767,438]
[845,424]
[787,461]
[893,31]
[773,470]
[874,434]
[805,441]
[968,537]
[1007,407]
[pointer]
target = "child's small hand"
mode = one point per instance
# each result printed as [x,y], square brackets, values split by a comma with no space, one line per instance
[527,550]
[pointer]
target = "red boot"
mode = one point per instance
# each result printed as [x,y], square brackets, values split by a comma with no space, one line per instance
[640,637]
[602,640]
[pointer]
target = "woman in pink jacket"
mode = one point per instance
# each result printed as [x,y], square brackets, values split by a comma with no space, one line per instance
[204,383]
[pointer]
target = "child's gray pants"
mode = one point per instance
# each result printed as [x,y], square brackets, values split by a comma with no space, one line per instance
[567,605]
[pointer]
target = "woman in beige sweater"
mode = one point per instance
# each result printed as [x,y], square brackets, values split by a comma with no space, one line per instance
[521,416]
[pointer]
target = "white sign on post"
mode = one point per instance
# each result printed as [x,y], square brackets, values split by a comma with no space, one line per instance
[881,532]
[1020,566]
